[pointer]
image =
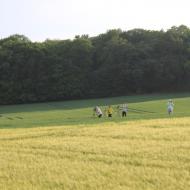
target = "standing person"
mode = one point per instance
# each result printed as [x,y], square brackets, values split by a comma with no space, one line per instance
[110,111]
[124,110]
[119,108]
[170,106]
[97,111]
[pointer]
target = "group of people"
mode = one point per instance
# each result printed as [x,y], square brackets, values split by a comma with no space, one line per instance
[122,110]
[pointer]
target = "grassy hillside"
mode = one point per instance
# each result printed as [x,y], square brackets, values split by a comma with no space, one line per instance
[137,155]
[80,112]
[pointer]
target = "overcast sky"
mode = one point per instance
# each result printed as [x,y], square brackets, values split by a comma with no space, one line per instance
[63,19]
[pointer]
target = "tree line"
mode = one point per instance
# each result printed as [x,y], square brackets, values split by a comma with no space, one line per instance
[111,64]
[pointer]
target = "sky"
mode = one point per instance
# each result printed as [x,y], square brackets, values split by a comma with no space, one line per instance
[63,19]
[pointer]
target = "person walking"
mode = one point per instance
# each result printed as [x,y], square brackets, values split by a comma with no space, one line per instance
[124,110]
[97,111]
[110,111]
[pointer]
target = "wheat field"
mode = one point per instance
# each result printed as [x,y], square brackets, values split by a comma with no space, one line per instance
[149,154]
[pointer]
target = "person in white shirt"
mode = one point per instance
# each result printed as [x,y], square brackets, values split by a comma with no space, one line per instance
[97,111]
[170,106]
[122,110]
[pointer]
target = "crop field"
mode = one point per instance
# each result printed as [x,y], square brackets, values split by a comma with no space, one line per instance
[60,145]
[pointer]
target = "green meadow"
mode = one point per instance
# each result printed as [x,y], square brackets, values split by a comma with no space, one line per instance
[60,145]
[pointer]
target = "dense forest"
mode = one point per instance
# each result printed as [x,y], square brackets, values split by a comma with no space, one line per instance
[111,64]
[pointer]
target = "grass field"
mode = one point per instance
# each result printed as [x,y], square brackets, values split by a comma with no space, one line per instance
[60,145]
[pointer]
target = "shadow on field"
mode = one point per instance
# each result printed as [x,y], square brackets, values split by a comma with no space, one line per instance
[78,104]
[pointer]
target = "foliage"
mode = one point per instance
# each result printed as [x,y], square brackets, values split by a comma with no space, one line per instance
[112,64]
